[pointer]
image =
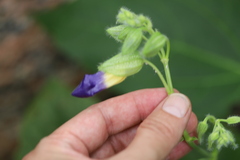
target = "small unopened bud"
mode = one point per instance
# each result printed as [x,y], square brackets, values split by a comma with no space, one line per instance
[145,20]
[142,18]
[154,44]
[122,64]
[226,139]
[132,23]
[116,31]
[122,36]
[201,129]
[212,138]
[233,120]
[132,41]
[125,17]
[128,18]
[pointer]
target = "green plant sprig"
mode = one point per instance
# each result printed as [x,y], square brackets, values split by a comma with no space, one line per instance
[136,30]
[140,42]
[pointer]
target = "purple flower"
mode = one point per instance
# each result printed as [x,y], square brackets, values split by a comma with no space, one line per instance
[94,83]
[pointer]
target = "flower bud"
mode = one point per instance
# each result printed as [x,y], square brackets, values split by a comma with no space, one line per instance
[212,138]
[122,36]
[129,18]
[145,20]
[116,31]
[226,139]
[94,83]
[124,16]
[132,41]
[127,13]
[233,120]
[201,129]
[122,64]
[154,44]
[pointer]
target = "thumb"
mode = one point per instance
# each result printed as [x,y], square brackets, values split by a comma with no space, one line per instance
[162,130]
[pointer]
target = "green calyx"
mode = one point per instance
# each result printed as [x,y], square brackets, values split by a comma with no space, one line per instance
[132,41]
[138,38]
[219,137]
[125,32]
[136,34]
[120,32]
[123,64]
[128,18]
[116,31]
[201,129]
[155,43]
[233,120]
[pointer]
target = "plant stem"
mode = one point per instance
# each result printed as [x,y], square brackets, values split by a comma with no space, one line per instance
[168,75]
[159,75]
[191,143]
[168,48]
[145,38]
[214,154]
[164,58]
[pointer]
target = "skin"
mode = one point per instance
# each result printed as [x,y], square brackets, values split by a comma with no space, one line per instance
[131,127]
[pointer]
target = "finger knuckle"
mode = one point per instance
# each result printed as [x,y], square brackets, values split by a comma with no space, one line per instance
[158,127]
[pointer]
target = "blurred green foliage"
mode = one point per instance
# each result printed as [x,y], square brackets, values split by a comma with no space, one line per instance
[205,50]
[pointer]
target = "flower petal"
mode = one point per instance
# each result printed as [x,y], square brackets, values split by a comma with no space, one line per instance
[111,80]
[94,83]
[91,84]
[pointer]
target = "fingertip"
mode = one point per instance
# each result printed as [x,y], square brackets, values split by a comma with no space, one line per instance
[177,105]
[161,131]
[192,123]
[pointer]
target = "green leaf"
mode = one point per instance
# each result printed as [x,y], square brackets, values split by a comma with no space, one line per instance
[53,106]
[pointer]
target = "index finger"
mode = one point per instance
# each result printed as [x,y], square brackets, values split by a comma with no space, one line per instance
[89,129]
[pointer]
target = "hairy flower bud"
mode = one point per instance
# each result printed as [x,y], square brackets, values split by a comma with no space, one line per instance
[201,129]
[128,18]
[122,36]
[154,44]
[145,20]
[212,138]
[132,41]
[116,31]
[122,64]
[226,139]
[233,120]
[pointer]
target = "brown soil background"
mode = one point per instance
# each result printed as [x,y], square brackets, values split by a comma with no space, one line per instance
[27,57]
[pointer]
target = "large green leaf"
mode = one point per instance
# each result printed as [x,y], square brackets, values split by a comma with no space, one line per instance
[53,106]
[204,35]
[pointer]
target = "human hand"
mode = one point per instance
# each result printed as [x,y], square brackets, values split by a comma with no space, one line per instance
[141,125]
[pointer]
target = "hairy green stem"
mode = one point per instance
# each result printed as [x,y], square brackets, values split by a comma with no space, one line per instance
[159,75]
[168,48]
[214,155]
[191,143]
[168,75]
